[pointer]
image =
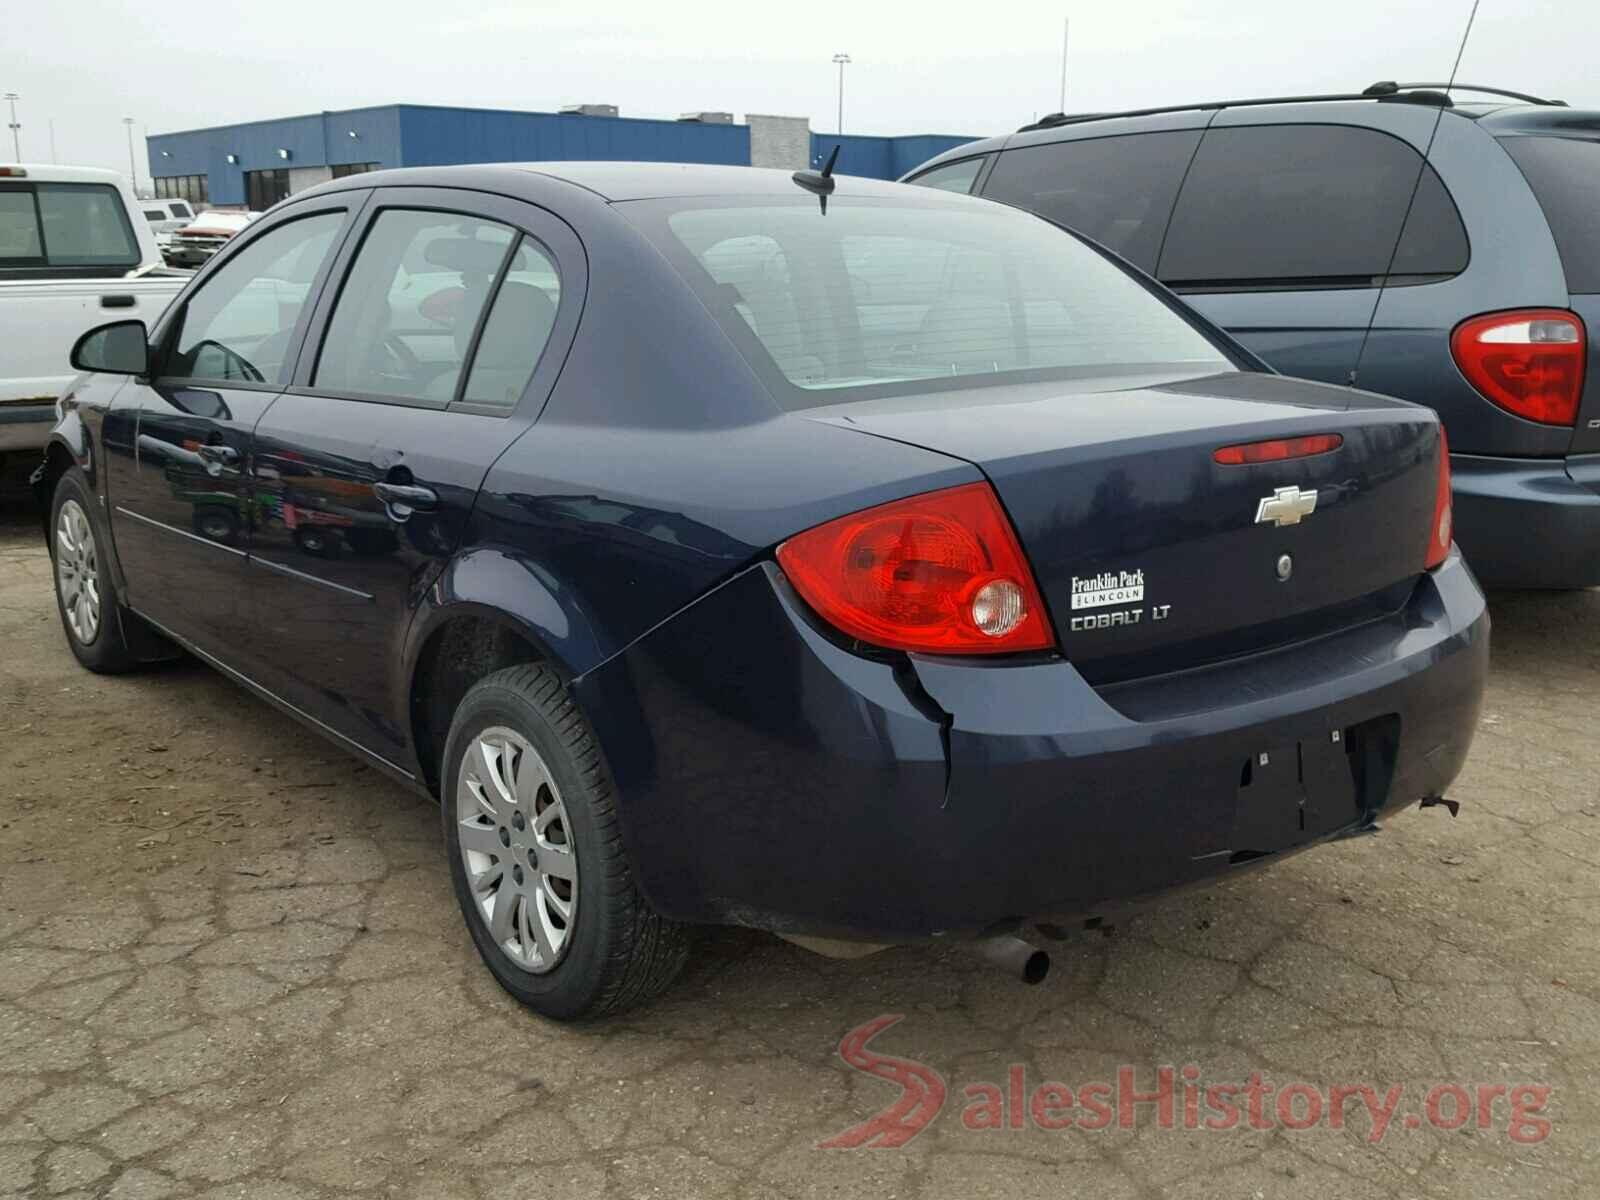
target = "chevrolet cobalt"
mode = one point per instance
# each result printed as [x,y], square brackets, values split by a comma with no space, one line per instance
[854,561]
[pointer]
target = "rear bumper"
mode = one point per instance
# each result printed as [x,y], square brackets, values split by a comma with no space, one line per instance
[768,777]
[26,426]
[1527,522]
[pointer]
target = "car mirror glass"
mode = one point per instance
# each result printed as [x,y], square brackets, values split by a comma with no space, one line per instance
[120,348]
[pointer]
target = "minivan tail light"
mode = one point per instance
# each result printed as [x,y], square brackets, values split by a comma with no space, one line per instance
[940,572]
[1528,361]
[1441,531]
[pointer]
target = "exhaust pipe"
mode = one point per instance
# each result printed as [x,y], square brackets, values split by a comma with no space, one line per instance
[1015,957]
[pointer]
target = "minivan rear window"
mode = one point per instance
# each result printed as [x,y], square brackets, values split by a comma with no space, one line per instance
[1564,174]
[916,295]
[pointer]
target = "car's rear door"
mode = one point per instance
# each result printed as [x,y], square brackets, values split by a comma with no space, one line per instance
[433,352]
[179,442]
[1284,232]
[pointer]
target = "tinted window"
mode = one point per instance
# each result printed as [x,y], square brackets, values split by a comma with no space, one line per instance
[877,293]
[405,317]
[519,324]
[952,177]
[1117,190]
[180,210]
[1308,204]
[1565,175]
[154,214]
[240,324]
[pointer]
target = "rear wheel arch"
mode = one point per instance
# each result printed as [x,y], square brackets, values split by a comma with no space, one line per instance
[460,646]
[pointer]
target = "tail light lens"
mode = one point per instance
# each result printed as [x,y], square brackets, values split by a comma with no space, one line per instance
[1529,361]
[941,572]
[1441,531]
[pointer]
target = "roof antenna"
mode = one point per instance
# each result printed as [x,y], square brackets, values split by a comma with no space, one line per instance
[1422,170]
[820,183]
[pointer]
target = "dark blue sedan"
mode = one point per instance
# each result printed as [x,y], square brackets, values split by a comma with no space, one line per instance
[849,560]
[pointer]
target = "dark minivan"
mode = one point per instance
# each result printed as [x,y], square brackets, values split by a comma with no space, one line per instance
[1297,224]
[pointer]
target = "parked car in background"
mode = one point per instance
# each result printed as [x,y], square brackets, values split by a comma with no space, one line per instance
[719,545]
[166,217]
[75,249]
[196,242]
[1295,224]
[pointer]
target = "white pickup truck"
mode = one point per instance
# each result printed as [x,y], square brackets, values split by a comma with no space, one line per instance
[75,252]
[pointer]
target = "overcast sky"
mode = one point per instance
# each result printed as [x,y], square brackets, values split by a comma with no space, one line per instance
[970,69]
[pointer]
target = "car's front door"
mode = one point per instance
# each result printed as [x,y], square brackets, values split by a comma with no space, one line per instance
[180,507]
[430,358]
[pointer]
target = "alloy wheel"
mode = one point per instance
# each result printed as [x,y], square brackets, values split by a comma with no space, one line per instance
[77,572]
[516,846]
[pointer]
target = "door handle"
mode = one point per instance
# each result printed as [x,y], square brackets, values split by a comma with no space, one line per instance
[118,300]
[225,456]
[403,499]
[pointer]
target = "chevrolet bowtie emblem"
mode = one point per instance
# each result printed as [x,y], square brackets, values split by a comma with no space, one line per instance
[1286,506]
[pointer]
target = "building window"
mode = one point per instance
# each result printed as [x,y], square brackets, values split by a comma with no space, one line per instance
[340,170]
[183,187]
[263,189]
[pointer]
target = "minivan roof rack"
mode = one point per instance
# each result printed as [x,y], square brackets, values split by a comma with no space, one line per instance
[1413,93]
[1390,88]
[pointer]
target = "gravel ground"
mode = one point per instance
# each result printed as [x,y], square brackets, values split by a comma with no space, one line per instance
[231,965]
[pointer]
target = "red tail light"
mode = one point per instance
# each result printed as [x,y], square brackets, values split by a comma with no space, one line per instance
[1439,533]
[941,572]
[1278,449]
[1530,361]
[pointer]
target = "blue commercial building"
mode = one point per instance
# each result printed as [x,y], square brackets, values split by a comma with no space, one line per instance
[258,163]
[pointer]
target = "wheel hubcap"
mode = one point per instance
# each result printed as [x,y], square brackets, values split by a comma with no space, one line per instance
[509,813]
[77,572]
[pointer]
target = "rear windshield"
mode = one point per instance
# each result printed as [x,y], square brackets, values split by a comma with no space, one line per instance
[65,225]
[1564,174]
[877,293]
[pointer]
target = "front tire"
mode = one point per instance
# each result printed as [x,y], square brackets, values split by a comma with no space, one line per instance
[86,597]
[536,854]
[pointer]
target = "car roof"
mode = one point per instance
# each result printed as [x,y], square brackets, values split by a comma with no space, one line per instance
[1495,117]
[621,181]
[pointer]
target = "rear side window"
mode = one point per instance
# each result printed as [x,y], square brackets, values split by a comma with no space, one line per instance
[180,210]
[514,336]
[1565,176]
[952,177]
[1117,190]
[1311,206]
[154,214]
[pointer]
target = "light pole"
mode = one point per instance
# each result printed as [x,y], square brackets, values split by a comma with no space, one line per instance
[16,140]
[841,59]
[133,171]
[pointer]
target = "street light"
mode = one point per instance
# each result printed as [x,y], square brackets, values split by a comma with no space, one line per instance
[133,171]
[841,59]
[16,141]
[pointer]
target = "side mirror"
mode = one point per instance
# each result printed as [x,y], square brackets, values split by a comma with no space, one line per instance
[120,348]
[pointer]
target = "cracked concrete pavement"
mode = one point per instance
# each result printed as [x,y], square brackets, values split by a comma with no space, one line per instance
[231,966]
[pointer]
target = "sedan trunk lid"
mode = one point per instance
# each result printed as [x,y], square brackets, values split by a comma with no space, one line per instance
[1152,555]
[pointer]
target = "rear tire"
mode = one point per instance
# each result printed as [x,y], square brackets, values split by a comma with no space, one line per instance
[86,597]
[536,854]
